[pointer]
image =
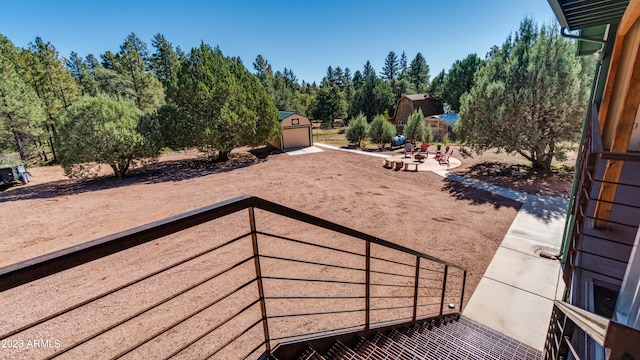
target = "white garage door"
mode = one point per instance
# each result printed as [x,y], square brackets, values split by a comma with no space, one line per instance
[296,137]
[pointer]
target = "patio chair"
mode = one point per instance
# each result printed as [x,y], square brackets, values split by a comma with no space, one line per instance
[424,150]
[444,157]
[408,148]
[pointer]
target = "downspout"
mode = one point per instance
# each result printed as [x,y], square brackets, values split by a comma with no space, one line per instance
[569,222]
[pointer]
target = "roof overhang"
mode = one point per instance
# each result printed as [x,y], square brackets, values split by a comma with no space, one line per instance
[591,17]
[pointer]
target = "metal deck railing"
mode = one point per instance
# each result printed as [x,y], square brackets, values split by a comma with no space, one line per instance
[231,280]
[592,160]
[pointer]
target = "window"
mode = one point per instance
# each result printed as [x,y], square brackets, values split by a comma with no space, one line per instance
[604,299]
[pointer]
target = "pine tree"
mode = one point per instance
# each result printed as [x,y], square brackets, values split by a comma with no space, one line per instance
[143,87]
[373,97]
[83,74]
[358,80]
[21,115]
[43,69]
[404,68]
[419,73]
[164,62]
[265,74]
[459,80]
[368,71]
[329,104]
[391,67]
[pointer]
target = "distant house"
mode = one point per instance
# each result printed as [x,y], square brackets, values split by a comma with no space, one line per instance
[409,103]
[296,131]
[441,125]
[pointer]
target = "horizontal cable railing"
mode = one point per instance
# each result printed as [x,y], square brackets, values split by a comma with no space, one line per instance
[593,158]
[209,284]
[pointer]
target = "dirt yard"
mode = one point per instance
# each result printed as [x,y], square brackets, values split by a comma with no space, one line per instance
[417,210]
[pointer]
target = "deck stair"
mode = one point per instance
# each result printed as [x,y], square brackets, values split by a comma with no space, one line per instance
[451,337]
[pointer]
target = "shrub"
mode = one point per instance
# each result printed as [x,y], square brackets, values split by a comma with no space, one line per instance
[103,130]
[381,130]
[357,130]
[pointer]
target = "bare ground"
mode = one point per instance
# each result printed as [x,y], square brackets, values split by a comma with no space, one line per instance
[417,210]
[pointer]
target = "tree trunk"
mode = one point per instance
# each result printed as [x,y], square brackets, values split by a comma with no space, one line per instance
[223,155]
[121,168]
[53,149]
[116,170]
[16,138]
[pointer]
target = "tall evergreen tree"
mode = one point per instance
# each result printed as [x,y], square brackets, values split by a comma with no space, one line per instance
[253,106]
[131,63]
[374,97]
[331,75]
[419,73]
[459,80]
[55,86]
[164,62]
[264,72]
[83,74]
[339,79]
[21,115]
[437,85]
[358,80]
[404,67]
[347,76]
[391,67]
[108,60]
[329,104]
[368,71]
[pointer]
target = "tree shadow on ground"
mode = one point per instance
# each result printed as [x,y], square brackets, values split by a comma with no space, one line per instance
[544,198]
[164,171]
[475,196]
[546,208]
[522,178]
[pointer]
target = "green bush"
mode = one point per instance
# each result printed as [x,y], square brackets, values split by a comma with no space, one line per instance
[103,130]
[357,130]
[381,130]
[415,128]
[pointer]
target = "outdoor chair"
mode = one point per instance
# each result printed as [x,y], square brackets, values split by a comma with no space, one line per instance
[424,150]
[444,156]
[408,148]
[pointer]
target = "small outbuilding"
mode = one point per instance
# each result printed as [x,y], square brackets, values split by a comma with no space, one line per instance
[296,131]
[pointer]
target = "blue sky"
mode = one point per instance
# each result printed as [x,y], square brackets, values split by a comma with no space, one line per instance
[305,36]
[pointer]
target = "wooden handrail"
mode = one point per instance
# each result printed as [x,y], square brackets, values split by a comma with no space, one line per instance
[595,326]
[621,340]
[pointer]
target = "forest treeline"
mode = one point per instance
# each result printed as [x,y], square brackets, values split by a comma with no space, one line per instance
[199,98]
[122,107]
